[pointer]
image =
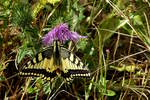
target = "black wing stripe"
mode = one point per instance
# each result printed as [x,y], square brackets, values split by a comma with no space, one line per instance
[76,73]
[37,72]
[37,58]
[32,62]
[78,64]
[74,59]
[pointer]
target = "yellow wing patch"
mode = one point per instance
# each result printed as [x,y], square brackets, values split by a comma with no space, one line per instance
[49,65]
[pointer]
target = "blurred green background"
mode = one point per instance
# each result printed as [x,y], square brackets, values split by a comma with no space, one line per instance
[117,50]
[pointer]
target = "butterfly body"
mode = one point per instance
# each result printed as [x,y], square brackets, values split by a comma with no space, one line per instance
[55,61]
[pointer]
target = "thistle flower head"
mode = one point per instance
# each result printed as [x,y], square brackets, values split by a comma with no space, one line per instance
[61,33]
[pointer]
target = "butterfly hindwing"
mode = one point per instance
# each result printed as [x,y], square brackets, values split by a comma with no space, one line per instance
[72,65]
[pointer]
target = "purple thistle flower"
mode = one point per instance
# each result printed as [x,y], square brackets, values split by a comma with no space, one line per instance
[61,33]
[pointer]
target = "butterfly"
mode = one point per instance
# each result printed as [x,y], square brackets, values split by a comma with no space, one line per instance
[55,61]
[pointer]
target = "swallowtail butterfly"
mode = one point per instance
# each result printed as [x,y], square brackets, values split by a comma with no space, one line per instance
[55,61]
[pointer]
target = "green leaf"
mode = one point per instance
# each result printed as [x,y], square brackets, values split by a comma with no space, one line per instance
[137,20]
[82,44]
[30,89]
[2,78]
[107,28]
[111,23]
[110,93]
[53,1]
[128,68]
[47,88]
[23,52]
[40,5]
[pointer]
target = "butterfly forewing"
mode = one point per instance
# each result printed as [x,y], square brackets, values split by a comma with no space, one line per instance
[40,66]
